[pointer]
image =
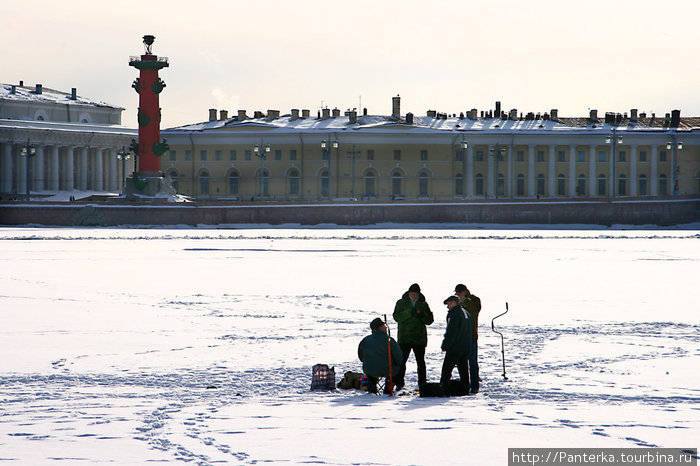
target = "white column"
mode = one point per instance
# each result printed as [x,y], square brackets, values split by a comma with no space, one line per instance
[22,175]
[69,182]
[654,172]
[99,170]
[592,175]
[113,171]
[84,170]
[531,171]
[552,174]
[572,170]
[38,180]
[469,176]
[633,171]
[54,170]
[7,168]
[490,191]
[612,171]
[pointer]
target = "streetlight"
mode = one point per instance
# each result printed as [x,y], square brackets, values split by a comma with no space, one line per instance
[28,151]
[353,153]
[674,147]
[613,140]
[498,153]
[261,151]
[326,145]
[123,155]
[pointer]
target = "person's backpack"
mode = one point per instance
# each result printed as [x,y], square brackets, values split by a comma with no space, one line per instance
[322,377]
[351,380]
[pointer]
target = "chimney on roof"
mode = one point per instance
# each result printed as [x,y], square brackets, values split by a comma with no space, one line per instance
[593,116]
[513,115]
[554,114]
[431,113]
[633,115]
[326,113]
[364,111]
[39,89]
[295,114]
[497,113]
[273,114]
[409,118]
[667,119]
[21,84]
[241,115]
[336,112]
[675,118]
[14,89]
[305,113]
[352,115]
[396,107]
[212,114]
[472,114]
[223,114]
[73,94]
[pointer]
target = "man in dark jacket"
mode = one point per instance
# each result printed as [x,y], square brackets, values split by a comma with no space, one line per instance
[373,351]
[472,304]
[413,315]
[457,342]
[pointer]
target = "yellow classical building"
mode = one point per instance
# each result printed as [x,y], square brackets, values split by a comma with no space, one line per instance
[489,154]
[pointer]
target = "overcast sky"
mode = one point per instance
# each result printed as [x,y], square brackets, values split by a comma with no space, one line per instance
[449,56]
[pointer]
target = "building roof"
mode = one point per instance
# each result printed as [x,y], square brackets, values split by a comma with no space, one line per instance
[21,93]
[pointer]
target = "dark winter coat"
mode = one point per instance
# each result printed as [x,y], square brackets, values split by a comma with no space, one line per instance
[373,351]
[412,324]
[458,334]
[472,304]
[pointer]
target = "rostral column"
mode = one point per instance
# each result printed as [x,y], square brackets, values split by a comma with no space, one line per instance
[149,148]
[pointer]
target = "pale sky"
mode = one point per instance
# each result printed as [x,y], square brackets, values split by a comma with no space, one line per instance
[449,56]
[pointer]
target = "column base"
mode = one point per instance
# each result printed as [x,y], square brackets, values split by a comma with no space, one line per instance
[148,186]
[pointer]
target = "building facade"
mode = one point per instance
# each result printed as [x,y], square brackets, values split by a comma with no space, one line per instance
[436,157]
[70,143]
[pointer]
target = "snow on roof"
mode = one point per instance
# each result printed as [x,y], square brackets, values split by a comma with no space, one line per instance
[47,95]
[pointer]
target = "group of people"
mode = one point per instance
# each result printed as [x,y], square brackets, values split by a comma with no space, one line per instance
[413,315]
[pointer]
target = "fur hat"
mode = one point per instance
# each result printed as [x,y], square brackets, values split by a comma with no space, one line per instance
[414,288]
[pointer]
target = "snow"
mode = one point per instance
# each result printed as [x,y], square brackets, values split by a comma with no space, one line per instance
[110,338]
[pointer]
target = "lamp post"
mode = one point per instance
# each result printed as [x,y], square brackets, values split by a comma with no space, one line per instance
[497,153]
[353,154]
[326,145]
[674,146]
[613,140]
[123,155]
[261,150]
[28,151]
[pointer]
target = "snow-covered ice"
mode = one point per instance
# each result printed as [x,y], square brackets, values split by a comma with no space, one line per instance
[111,339]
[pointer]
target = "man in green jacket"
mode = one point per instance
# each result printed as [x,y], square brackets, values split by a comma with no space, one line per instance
[413,315]
[373,351]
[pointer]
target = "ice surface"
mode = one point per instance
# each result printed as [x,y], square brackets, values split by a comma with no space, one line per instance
[110,338]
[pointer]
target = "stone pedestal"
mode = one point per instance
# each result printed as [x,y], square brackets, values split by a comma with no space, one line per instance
[148,185]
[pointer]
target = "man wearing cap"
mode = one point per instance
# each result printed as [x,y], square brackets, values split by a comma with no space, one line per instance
[472,304]
[413,315]
[373,351]
[456,343]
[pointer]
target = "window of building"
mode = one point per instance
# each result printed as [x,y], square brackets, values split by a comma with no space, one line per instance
[581,185]
[540,156]
[233,182]
[622,156]
[459,185]
[188,155]
[642,156]
[293,182]
[217,155]
[500,185]
[561,185]
[602,155]
[561,156]
[232,154]
[292,154]
[424,155]
[370,185]
[662,156]
[479,184]
[397,154]
[248,155]
[602,183]
[663,185]
[423,184]
[370,154]
[540,185]
[480,156]
[172,155]
[325,184]
[396,183]
[202,155]
[622,185]
[581,156]
[642,187]
[520,185]
[520,156]
[204,183]
[278,154]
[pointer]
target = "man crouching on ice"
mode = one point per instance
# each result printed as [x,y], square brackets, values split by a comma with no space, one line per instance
[457,342]
[374,354]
